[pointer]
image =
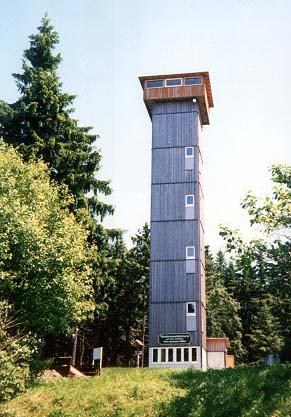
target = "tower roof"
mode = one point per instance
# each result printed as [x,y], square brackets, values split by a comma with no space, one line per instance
[180,86]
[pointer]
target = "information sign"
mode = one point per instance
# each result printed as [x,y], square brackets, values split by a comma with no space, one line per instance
[174,338]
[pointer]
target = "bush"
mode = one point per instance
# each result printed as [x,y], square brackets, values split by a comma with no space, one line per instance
[17,354]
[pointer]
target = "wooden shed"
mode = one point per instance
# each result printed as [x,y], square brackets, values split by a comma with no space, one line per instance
[217,352]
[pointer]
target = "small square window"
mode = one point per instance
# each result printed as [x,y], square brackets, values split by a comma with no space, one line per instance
[189,152]
[189,200]
[191,309]
[190,252]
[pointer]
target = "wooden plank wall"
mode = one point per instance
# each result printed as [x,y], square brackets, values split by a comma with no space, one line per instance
[175,126]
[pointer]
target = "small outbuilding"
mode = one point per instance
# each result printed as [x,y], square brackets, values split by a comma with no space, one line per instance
[217,357]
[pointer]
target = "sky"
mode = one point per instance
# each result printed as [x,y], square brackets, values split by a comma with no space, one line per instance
[106,45]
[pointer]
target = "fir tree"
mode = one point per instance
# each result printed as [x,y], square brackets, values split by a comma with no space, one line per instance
[266,335]
[223,310]
[40,125]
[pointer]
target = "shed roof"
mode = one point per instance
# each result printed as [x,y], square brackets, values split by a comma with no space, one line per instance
[217,343]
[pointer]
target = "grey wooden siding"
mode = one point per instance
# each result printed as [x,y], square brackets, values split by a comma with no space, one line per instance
[168,201]
[201,204]
[175,126]
[168,166]
[202,244]
[169,318]
[169,239]
[169,282]
[202,278]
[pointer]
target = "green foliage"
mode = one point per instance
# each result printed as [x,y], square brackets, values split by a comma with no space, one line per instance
[40,126]
[241,392]
[223,311]
[274,212]
[126,296]
[44,255]
[266,333]
[260,280]
[138,271]
[17,354]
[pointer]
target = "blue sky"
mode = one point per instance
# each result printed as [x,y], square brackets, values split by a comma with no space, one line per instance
[106,45]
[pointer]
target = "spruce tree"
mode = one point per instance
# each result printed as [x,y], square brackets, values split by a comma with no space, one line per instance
[223,319]
[40,125]
[266,333]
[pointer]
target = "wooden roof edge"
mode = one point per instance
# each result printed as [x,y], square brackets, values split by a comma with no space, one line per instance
[226,339]
[204,74]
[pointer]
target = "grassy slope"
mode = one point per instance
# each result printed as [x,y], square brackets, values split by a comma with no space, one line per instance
[240,392]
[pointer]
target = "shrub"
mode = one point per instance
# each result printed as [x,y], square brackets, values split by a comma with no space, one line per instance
[17,353]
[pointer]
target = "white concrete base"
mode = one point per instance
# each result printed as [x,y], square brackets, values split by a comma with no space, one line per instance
[159,359]
[203,359]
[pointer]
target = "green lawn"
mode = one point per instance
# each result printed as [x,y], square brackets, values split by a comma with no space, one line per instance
[240,392]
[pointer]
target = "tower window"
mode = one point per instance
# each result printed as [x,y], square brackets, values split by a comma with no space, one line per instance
[174,355]
[190,252]
[173,82]
[178,355]
[193,81]
[154,83]
[189,200]
[155,355]
[186,354]
[194,355]
[189,152]
[191,309]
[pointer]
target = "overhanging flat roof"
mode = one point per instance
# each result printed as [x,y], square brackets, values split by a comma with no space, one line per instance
[204,74]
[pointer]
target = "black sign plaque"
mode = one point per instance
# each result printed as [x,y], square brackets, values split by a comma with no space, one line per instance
[174,338]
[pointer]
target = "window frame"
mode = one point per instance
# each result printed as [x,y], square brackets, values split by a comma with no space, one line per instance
[187,256]
[189,205]
[155,350]
[186,353]
[162,352]
[174,356]
[189,156]
[180,354]
[190,85]
[196,356]
[195,309]
[150,88]
[170,79]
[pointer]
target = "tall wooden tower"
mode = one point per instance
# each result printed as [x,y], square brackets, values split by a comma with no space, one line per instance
[178,105]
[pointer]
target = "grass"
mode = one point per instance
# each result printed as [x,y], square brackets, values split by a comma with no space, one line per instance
[241,392]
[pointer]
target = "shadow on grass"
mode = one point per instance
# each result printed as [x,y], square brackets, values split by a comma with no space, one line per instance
[240,392]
